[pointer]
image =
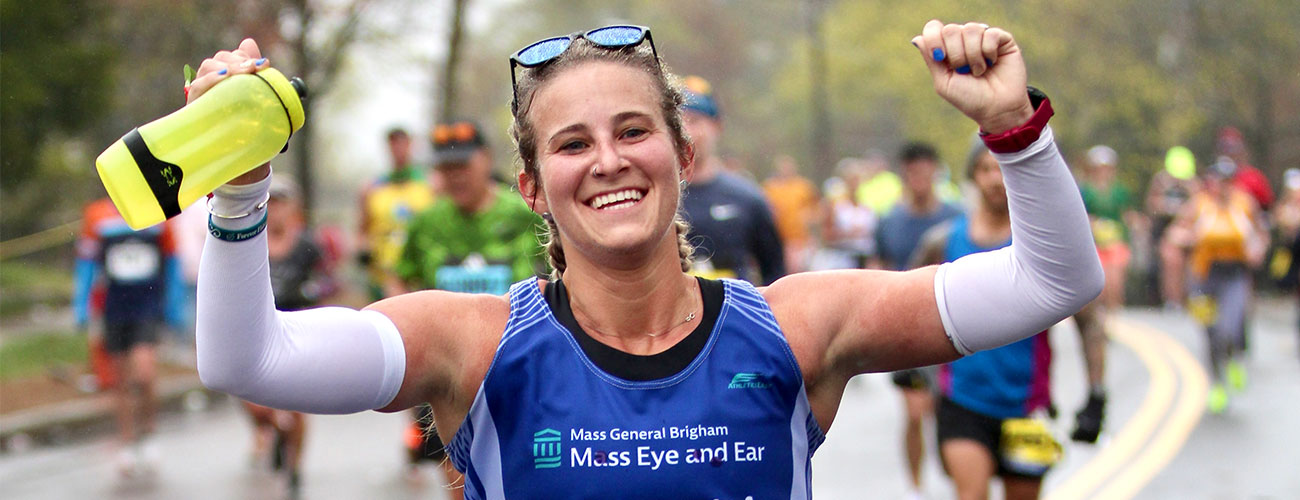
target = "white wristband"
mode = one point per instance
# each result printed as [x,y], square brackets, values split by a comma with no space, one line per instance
[236,207]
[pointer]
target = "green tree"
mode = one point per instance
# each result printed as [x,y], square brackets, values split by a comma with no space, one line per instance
[1095,59]
[77,76]
[1238,59]
[54,71]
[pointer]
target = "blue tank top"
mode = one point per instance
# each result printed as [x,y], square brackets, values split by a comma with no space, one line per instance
[1008,382]
[548,423]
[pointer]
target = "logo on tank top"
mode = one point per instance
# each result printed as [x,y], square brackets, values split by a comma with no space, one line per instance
[546,449]
[745,380]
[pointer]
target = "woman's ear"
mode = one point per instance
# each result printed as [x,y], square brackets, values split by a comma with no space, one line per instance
[687,161]
[528,190]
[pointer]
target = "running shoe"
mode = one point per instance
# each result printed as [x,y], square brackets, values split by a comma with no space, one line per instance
[279,451]
[295,484]
[1217,399]
[1236,373]
[1087,423]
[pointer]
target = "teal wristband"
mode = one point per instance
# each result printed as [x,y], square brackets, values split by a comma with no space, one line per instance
[236,236]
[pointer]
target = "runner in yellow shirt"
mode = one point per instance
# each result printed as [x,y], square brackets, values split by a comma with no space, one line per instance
[386,206]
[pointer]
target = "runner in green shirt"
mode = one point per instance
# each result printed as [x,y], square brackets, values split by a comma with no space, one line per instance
[482,252]
[478,237]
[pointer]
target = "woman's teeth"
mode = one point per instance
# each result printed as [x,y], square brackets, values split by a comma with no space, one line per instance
[609,200]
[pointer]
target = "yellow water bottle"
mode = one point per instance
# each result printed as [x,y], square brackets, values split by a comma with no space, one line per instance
[159,168]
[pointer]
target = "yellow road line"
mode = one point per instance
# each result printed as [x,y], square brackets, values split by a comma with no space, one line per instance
[1182,420]
[1128,441]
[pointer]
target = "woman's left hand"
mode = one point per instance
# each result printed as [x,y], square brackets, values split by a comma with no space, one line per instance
[979,70]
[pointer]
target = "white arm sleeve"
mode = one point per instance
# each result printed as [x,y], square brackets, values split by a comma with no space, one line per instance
[325,360]
[1049,272]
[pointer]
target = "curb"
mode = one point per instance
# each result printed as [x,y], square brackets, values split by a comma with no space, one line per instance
[57,422]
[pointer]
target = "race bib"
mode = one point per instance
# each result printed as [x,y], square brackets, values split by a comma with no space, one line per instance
[704,269]
[131,261]
[1106,232]
[1280,264]
[1203,309]
[1028,446]
[475,276]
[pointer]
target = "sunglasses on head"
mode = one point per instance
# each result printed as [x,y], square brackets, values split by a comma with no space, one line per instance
[546,50]
[453,133]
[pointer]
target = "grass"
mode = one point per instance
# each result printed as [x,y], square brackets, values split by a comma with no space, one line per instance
[25,283]
[31,273]
[33,354]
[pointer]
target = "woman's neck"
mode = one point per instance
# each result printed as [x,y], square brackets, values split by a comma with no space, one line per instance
[990,227]
[487,196]
[641,310]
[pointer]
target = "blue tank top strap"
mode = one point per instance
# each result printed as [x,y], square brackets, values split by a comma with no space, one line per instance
[527,306]
[748,302]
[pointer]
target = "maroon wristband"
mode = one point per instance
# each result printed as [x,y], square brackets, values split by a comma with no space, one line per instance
[1019,138]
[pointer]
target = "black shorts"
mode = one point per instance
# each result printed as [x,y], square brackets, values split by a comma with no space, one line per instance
[430,447]
[915,379]
[952,421]
[121,337]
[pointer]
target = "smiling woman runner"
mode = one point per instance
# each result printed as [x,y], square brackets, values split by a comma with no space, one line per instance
[622,337]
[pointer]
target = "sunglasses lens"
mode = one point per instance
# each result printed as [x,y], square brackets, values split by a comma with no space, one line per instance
[441,134]
[463,132]
[542,51]
[617,36]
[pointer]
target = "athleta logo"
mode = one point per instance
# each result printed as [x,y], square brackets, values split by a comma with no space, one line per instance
[546,449]
[744,380]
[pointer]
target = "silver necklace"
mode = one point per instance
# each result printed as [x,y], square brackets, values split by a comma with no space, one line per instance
[689,317]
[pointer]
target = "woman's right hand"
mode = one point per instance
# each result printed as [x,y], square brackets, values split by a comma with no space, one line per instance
[979,70]
[224,64]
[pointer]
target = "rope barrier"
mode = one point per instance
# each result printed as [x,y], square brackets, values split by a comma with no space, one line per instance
[35,242]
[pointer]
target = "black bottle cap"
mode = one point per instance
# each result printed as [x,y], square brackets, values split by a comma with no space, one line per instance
[299,86]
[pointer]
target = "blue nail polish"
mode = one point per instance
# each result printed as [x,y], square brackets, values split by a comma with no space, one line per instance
[937,54]
[964,70]
[222,72]
[260,62]
[988,62]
